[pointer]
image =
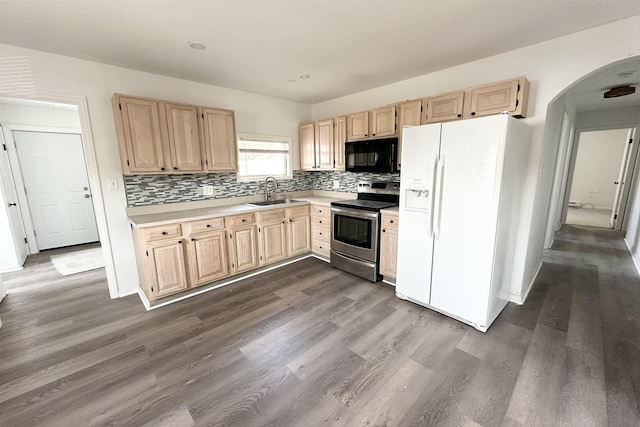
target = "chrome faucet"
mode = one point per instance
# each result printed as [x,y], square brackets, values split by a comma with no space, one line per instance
[267,193]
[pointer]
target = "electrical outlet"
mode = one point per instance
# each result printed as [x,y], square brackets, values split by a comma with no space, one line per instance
[336,184]
[207,190]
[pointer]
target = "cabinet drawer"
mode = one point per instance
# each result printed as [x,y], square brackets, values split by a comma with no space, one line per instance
[390,221]
[320,222]
[321,248]
[162,232]
[272,215]
[323,211]
[244,219]
[320,234]
[298,211]
[204,225]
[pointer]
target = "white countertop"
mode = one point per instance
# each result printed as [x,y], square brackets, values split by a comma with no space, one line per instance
[391,211]
[151,219]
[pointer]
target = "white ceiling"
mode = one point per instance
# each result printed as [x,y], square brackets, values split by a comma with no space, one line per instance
[346,46]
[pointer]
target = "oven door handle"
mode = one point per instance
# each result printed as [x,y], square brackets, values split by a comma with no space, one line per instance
[355,213]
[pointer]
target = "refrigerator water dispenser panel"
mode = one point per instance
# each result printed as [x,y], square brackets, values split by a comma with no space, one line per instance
[417,195]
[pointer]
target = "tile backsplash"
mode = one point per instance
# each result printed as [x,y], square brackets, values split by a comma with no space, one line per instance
[145,190]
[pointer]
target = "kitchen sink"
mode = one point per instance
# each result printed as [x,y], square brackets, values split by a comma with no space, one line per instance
[274,202]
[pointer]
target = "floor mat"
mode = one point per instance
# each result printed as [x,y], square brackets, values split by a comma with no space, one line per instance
[78,261]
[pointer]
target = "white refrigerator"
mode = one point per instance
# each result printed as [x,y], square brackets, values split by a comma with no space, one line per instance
[460,189]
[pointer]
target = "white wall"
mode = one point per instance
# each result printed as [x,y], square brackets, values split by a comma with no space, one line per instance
[45,75]
[551,67]
[597,166]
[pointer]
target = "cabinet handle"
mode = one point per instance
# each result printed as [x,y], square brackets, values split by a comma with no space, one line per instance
[460,115]
[193,240]
[244,220]
[175,168]
[473,113]
[208,225]
[367,135]
[164,233]
[161,169]
[320,221]
[384,231]
[180,241]
[290,221]
[391,221]
[320,233]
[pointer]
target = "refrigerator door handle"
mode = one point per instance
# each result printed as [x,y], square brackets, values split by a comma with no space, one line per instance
[438,197]
[432,194]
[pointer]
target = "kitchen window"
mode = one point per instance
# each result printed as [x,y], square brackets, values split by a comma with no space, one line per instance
[260,156]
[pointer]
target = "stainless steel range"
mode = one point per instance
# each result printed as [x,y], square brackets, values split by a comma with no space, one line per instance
[355,234]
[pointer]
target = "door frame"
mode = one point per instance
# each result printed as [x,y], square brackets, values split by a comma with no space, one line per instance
[16,168]
[626,197]
[91,162]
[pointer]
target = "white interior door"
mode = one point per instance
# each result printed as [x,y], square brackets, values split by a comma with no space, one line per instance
[13,210]
[621,186]
[57,186]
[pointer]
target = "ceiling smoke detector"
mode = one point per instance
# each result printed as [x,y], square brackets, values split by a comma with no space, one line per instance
[619,91]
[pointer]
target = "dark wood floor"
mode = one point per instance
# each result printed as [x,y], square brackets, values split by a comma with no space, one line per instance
[308,345]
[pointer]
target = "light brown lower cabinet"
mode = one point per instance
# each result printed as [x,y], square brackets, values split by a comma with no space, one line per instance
[320,230]
[299,234]
[207,257]
[166,267]
[244,248]
[175,257]
[389,245]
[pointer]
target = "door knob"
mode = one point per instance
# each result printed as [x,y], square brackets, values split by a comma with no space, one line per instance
[86,196]
[12,204]
[615,182]
[85,188]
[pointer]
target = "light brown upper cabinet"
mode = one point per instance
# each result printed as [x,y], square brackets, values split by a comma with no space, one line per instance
[307,147]
[383,121]
[163,137]
[184,138]
[444,108]
[324,136]
[140,138]
[410,115]
[506,96]
[358,126]
[317,144]
[339,138]
[220,139]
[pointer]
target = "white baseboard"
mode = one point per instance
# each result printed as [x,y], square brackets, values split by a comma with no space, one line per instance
[634,257]
[126,293]
[10,268]
[521,298]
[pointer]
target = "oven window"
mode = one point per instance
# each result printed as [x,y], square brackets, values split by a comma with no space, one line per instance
[353,231]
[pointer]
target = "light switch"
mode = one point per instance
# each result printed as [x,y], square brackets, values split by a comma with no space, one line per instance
[112,183]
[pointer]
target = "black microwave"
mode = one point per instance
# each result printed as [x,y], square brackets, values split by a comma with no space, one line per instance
[374,155]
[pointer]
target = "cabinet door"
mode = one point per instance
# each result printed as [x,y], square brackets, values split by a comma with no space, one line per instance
[307,147]
[244,248]
[184,138]
[273,241]
[208,259]
[357,126]
[494,98]
[299,236]
[383,121]
[324,133]
[166,265]
[220,139]
[388,252]
[410,115]
[443,108]
[338,142]
[140,135]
